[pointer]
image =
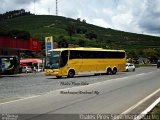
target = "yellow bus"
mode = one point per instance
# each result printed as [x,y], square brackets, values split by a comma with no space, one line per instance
[71,61]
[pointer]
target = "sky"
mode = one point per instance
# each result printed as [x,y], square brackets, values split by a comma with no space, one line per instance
[136,16]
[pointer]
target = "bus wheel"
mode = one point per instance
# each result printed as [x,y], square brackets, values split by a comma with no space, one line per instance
[114,71]
[109,71]
[59,77]
[71,74]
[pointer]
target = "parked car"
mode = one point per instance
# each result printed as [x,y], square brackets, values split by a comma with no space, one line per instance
[130,67]
[27,69]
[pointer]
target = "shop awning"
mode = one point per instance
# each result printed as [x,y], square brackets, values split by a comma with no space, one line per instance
[31,61]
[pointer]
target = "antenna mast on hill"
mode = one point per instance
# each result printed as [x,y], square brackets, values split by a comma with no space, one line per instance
[34,7]
[56,7]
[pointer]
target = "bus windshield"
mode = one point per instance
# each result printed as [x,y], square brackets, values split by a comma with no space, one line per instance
[52,60]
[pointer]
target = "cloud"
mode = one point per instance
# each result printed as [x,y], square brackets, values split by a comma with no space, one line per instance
[23,1]
[9,5]
[122,21]
[100,22]
[127,15]
[150,17]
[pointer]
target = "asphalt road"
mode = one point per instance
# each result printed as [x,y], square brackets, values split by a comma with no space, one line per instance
[80,95]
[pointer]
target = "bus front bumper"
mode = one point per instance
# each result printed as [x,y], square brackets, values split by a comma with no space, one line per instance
[51,72]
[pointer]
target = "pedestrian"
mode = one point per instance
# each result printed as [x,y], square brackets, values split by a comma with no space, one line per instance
[35,70]
[32,67]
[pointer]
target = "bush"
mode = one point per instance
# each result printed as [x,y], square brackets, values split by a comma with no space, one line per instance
[91,35]
[81,43]
[19,34]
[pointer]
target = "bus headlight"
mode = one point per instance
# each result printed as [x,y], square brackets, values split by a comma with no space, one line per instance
[52,71]
[49,71]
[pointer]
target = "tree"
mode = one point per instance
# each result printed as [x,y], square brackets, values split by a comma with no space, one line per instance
[151,52]
[62,42]
[81,29]
[19,34]
[141,53]
[91,35]
[84,21]
[81,43]
[79,19]
[132,54]
[71,30]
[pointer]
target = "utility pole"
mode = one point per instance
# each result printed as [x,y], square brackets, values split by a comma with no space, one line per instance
[56,7]
[116,2]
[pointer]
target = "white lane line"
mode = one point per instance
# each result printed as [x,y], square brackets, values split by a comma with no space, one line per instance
[20,99]
[144,73]
[140,116]
[94,84]
[140,102]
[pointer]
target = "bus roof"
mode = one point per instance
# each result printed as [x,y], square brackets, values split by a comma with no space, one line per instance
[87,49]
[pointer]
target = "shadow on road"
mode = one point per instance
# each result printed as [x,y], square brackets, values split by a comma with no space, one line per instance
[81,76]
[2,76]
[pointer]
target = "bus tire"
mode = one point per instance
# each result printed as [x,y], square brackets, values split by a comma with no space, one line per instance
[114,71]
[58,77]
[71,74]
[109,71]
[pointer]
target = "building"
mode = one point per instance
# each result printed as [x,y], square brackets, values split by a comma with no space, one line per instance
[13,46]
[37,63]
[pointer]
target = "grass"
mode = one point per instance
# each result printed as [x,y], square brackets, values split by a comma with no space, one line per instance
[153,114]
[41,26]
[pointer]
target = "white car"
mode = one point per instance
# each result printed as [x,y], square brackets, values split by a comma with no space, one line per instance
[26,69]
[130,67]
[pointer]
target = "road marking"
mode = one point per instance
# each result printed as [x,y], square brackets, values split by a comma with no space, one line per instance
[25,98]
[140,116]
[140,102]
[143,73]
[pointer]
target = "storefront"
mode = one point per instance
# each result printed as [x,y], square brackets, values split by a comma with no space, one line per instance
[37,63]
[11,46]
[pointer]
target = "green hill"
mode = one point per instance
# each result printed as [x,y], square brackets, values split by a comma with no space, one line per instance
[40,26]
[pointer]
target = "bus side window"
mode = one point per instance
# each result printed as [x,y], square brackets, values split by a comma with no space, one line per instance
[72,55]
[75,54]
[80,54]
